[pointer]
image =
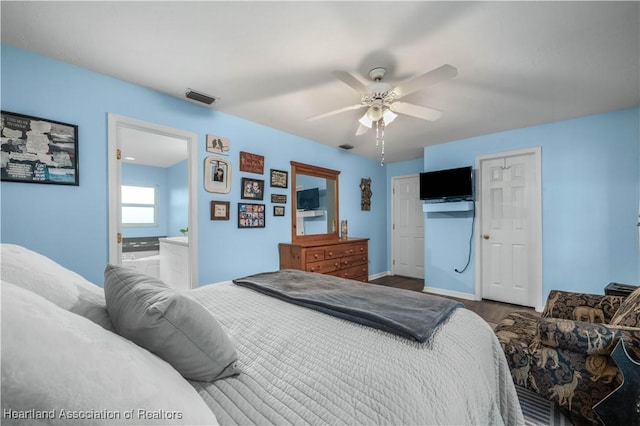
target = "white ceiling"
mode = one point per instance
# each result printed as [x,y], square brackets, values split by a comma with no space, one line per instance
[519,63]
[151,149]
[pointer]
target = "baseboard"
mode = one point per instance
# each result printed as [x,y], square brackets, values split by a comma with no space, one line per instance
[379,275]
[450,293]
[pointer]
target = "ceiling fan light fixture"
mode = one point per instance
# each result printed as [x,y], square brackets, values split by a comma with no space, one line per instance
[365,120]
[388,116]
[374,113]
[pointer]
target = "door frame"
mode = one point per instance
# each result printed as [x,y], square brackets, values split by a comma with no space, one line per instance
[536,220]
[115,122]
[393,195]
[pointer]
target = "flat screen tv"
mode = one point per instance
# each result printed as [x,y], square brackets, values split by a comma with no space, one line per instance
[447,185]
[308,199]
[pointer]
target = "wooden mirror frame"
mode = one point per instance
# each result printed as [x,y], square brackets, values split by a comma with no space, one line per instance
[307,169]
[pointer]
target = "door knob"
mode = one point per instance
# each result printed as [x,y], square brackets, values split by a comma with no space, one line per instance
[485,236]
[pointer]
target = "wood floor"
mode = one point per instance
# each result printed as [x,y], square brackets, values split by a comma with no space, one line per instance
[489,310]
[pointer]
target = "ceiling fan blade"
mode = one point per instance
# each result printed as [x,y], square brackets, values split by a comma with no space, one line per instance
[437,75]
[361,130]
[417,111]
[337,111]
[351,81]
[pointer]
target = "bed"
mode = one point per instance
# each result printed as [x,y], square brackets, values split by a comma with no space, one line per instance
[66,359]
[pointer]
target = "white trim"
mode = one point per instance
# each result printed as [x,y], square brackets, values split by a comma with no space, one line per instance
[114,123]
[536,218]
[380,275]
[449,293]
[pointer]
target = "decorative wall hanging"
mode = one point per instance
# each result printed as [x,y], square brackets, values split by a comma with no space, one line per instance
[252,163]
[279,178]
[38,150]
[278,210]
[279,198]
[217,145]
[251,215]
[219,210]
[217,174]
[365,200]
[252,189]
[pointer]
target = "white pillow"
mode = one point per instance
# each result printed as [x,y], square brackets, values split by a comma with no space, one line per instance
[53,360]
[35,272]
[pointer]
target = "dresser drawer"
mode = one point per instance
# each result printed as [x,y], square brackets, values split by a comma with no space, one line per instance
[352,273]
[332,252]
[324,266]
[314,255]
[349,261]
[357,248]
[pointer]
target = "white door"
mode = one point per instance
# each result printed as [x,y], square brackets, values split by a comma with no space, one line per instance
[510,228]
[408,227]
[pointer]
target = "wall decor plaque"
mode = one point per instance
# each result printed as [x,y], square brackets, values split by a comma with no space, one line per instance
[252,163]
[279,198]
[217,145]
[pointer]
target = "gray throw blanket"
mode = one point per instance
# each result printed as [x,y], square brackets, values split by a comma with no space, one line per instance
[406,313]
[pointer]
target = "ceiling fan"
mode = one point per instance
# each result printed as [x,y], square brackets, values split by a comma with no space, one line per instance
[382,99]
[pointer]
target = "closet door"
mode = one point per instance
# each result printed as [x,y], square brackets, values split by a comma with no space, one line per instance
[510,228]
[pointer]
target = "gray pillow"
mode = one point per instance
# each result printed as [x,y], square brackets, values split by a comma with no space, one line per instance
[169,323]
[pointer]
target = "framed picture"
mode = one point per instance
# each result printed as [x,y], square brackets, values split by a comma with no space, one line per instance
[217,145]
[252,163]
[217,174]
[278,210]
[279,198]
[38,150]
[251,215]
[279,178]
[252,189]
[219,210]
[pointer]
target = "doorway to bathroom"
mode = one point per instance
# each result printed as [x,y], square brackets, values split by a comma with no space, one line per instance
[153,199]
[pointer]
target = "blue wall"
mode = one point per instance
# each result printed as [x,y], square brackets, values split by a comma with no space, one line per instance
[172,193]
[69,224]
[590,201]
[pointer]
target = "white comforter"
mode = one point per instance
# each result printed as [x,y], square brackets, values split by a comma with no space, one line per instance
[300,366]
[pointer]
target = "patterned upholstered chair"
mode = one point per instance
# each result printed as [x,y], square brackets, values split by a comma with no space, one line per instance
[564,354]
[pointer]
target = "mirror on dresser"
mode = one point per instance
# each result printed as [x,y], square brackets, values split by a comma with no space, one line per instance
[316,245]
[314,201]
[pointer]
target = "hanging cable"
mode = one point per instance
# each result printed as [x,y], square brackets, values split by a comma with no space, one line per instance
[473,220]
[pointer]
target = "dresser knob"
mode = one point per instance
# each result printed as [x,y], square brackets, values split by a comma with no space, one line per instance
[315,255]
[330,253]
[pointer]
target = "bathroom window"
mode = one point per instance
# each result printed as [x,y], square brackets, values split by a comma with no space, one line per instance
[139,205]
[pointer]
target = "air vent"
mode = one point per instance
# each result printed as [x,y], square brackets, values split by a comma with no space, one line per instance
[201,97]
[346,146]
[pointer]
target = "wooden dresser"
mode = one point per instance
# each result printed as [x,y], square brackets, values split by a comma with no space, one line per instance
[343,258]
